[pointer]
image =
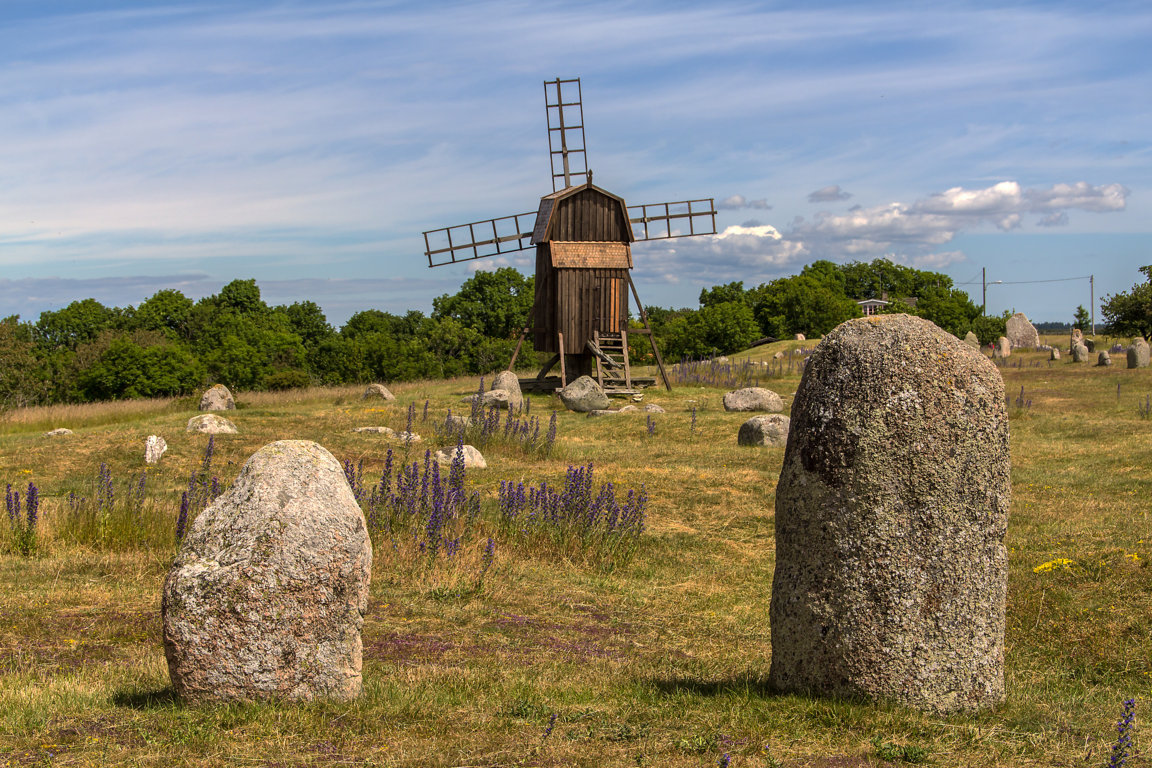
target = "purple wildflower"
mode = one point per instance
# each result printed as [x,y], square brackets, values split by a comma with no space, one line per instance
[1120,750]
[32,504]
[182,518]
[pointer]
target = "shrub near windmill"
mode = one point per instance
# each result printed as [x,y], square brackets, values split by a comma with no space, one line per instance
[583,236]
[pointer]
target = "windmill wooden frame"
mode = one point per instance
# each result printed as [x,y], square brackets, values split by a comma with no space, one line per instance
[583,239]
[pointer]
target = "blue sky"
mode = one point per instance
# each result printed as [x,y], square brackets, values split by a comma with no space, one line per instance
[150,145]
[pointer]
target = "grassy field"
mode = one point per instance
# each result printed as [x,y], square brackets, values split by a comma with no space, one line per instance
[556,660]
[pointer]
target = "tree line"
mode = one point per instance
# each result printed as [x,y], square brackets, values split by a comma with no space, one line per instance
[170,345]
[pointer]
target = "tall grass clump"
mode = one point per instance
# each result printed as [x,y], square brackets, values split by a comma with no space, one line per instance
[577,521]
[514,427]
[745,373]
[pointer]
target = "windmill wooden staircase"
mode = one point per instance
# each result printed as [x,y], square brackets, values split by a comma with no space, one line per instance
[613,371]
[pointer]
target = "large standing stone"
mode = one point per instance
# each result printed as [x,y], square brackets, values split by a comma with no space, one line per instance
[211,424]
[508,382]
[267,595]
[1091,344]
[378,391]
[583,395]
[1020,332]
[971,340]
[764,430]
[1076,337]
[753,399]
[217,398]
[154,448]
[1138,353]
[1002,349]
[1054,354]
[892,504]
[1104,358]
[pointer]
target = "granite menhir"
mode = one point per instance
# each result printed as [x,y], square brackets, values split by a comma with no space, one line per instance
[891,573]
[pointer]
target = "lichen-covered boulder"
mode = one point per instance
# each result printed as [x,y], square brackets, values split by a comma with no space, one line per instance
[266,597]
[1104,359]
[473,459]
[1076,337]
[971,340]
[211,424]
[217,398]
[58,432]
[1020,332]
[386,431]
[891,509]
[507,381]
[1054,354]
[1080,353]
[764,430]
[378,392]
[1138,353]
[1002,349]
[583,395]
[753,399]
[154,448]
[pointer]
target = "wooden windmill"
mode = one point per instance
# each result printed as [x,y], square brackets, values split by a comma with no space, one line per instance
[583,236]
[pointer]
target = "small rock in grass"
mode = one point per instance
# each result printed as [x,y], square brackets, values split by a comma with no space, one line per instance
[408,437]
[971,340]
[473,459]
[753,399]
[217,398]
[1054,354]
[211,424]
[653,408]
[386,431]
[1104,359]
[764,430]
[154,448]
[58,432]
[583,395]
[378,391]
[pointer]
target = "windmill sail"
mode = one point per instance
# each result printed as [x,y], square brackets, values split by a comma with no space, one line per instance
[480,239]
[664,220]
[566,133]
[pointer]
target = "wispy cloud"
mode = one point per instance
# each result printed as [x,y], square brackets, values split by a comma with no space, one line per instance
[828,194]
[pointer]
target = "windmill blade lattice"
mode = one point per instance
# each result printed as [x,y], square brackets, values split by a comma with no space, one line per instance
[656,222]
[566,133]
[479,239]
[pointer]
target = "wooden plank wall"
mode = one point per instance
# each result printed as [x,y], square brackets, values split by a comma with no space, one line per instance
[589,215]
[588,300]
[544,315]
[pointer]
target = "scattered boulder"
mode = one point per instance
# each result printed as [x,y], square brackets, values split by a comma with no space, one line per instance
[1076,337]
[722,360]
[217,398]
[779,355]
[154,448]
[1020,332]
[58,432]
[891,508]
[1054,354]
[386,431]
[1079,353]
[653,408]
[211,424]
[638,397]
[409,437]
[473,459]
[583,395]
[508,382]
[799,337]
[1138,353]
[501,398]
[1002,349]
[266,598]
[1091,344]
[971,340]
[764,430]
[753,399]
[378,391]
[1104,359]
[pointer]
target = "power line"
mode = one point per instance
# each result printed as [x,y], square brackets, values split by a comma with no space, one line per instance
[1023,282]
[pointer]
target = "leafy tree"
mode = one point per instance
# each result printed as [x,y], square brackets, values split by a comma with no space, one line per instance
[307,321]
[727,327]
[127,369]
[75,324]
[168,311]
[1129,314]
[1082,319]
[802,304]
[23,376]
[988,328]
[722,294]
[494,304]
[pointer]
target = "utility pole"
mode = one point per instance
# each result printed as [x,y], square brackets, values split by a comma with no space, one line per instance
[1092,300]
[984,295]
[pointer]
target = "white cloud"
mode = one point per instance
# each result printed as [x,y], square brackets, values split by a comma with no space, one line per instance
[1053,220]
[738,202]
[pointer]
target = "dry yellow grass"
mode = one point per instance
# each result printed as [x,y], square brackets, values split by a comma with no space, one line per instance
[662,663]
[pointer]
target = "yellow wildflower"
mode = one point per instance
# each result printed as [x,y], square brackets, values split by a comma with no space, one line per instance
[1051,565]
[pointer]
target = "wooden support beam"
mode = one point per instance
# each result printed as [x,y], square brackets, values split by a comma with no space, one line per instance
[627,367]
[651,338]
[563,374]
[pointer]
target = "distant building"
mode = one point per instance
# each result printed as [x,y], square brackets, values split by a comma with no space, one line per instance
[875,306]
